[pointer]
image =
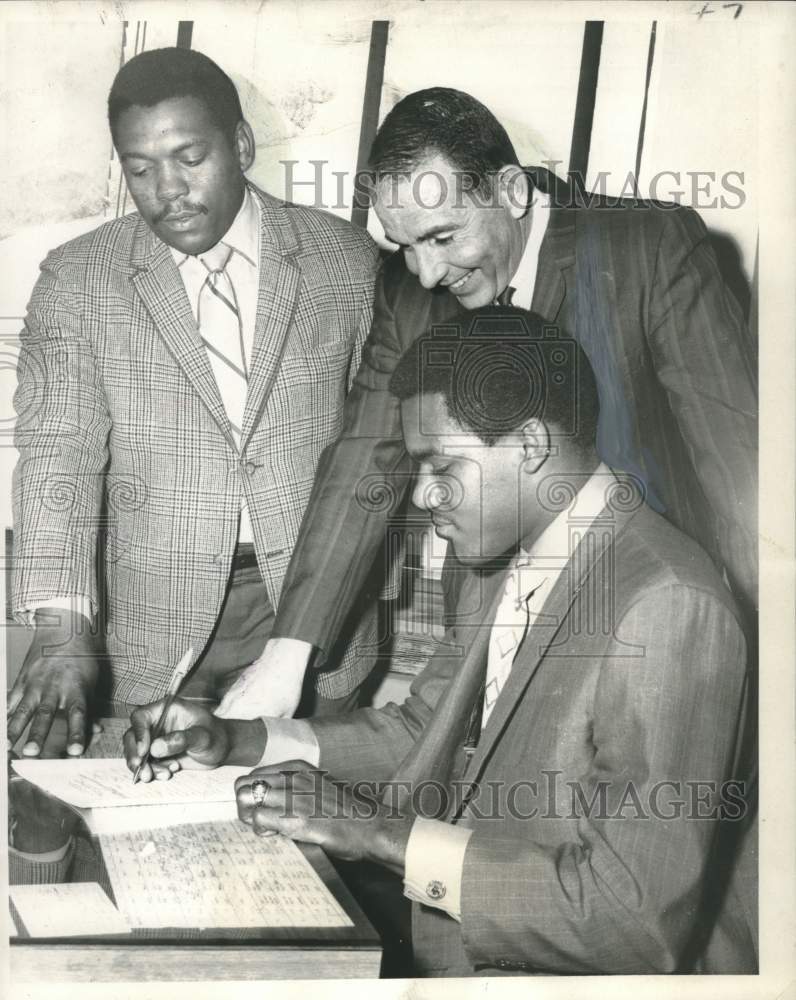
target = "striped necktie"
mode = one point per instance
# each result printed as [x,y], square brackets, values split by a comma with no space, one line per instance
[512,620]
[218,318]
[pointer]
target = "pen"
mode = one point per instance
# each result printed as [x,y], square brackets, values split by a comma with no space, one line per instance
[176,679]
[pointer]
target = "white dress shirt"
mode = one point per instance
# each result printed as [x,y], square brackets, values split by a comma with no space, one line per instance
[524,280]
[243,268]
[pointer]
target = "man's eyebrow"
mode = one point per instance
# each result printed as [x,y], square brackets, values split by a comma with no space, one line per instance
[132,155]
[422,454]
[429,234]
[436,230]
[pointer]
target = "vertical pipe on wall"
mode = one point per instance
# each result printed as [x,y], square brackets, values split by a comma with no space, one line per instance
[370,118]
[643,123]
[584,104]
[184,33]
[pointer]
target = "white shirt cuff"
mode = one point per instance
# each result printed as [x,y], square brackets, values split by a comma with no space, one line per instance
[434,863]
[75,603]
[289,739]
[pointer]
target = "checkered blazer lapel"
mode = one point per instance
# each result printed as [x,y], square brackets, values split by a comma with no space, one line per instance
[277,301]
[158,283]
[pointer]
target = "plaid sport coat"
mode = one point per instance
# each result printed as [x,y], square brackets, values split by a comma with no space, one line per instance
[123,435]
[597,840]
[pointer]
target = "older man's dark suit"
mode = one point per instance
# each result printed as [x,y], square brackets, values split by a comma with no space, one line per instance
[640,289]
[649,690]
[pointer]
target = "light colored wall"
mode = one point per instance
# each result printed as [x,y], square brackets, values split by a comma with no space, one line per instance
[703,117]
[52,107]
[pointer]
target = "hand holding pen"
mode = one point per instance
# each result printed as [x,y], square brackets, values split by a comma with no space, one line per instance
[174,686]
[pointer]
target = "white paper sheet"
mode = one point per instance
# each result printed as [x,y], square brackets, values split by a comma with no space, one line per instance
[98,783]
[216,875]
[79,909]
[126,819]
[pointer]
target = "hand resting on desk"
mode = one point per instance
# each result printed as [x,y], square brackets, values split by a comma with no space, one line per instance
[192,738]
[58,677]
[309,805]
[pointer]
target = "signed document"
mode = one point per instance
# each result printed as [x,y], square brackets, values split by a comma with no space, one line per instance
[102,791]
[216,875]
[99,783]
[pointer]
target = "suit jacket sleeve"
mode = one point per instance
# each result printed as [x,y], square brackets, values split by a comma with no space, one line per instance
[360,480]
[621,892]
[62,434]
[703,358]
[369,744]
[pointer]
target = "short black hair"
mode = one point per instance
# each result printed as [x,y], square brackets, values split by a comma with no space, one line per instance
[162,74]
[499,367]
[447,122]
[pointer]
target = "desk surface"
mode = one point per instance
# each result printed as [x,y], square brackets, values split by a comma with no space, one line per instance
[174,954]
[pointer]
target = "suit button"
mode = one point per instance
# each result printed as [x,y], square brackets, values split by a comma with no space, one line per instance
[250,468]
[435,890]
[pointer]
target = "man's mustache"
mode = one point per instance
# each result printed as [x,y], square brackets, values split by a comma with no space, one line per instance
[170,211]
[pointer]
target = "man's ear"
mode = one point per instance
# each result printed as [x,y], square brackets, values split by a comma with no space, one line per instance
[513,190]
[535,445]
[244,144]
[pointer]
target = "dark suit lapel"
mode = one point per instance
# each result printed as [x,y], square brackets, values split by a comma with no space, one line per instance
[556,264]
[157,281]
[434,754]
[547,629]
[277,299]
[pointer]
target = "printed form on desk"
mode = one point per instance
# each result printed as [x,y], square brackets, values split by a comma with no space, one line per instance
[100,783]
[216,875]
[102,790]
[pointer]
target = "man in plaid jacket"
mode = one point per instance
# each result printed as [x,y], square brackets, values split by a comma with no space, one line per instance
[157,500]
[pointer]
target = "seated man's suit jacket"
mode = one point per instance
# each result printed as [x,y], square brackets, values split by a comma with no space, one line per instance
[626,697]
[121,426]
[640,289]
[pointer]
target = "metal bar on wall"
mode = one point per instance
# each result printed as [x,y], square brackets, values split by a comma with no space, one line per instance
[584,105]
[184,33]
[643,123]
[374,79]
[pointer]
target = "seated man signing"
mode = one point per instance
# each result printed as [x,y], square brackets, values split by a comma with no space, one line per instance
[556,787]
